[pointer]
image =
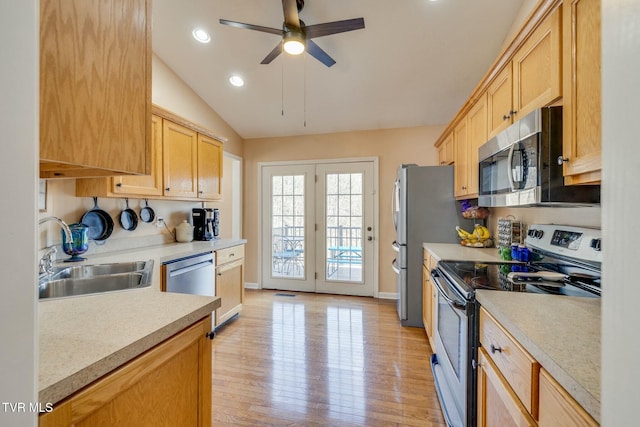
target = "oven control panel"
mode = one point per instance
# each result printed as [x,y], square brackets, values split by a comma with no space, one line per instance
[577,242]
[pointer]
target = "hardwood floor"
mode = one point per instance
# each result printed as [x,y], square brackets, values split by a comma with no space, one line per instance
[297,359]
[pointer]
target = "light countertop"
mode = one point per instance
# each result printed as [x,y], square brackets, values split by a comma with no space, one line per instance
[453,252]
[85,337]
[562,333]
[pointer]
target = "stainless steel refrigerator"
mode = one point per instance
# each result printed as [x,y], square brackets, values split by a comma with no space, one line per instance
[424,211]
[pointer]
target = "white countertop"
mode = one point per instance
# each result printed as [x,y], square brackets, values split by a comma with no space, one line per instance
[453,252]
[562,333]
[85,337]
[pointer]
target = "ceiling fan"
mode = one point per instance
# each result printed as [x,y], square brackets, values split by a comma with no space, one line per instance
[296,35]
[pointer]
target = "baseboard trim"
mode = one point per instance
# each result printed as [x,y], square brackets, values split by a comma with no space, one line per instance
[250,285]
[388,295]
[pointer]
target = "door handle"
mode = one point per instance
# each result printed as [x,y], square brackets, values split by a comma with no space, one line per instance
[370,238]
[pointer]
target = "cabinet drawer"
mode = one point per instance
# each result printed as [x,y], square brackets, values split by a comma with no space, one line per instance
[516,365]
[229,254]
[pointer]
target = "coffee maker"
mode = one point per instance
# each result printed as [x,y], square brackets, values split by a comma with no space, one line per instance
[206,222]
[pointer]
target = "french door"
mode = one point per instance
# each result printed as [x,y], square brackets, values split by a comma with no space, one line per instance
[318,227]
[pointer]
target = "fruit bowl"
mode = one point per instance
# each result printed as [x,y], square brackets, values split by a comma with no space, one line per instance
[479,238]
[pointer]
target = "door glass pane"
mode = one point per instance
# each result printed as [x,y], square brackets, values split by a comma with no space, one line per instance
[287,226]
[344,207]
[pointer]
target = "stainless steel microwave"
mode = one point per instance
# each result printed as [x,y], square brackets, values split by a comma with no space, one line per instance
[522,165]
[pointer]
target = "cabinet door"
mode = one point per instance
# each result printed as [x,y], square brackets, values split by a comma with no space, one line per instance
[426,302]
[477,135]
[498,405]
[209,168]
[557,408]
[462,161]
[499,102]
[95,87]
[169,385]
[230,288]
[450,149]
[442,154]
[537,67]
[582,130]
[180,157]
[145,185]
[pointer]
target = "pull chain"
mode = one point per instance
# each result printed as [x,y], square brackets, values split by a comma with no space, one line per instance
[282,87]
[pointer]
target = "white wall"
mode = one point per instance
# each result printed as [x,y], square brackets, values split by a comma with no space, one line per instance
[621,166]
[19,147]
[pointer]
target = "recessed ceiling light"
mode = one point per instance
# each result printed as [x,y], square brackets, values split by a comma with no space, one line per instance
[201,35]
[236,80]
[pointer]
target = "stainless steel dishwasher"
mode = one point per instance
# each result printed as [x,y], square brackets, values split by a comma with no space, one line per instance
[191,275]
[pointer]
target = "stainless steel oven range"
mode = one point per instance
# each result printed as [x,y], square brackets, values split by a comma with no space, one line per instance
[564,261]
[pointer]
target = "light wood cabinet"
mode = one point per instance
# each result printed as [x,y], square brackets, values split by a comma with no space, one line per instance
[95,88]
[469,134]
[187,165]
[446,151]
[582,127]
[146,185]
[209,168]
[429,298]
[229,282]
[498,405]
[557,408]
[532,79]
[516,365]
[180,160]
[169,385]
[461,168]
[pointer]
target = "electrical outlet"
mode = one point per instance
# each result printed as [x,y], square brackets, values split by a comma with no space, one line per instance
[159,222]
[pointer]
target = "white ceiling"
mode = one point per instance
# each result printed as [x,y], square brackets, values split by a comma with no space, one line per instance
[414,63]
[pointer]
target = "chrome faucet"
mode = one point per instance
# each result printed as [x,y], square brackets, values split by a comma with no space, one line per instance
[46,262]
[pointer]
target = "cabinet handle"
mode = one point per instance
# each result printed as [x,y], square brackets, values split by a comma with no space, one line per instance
[219,274]
[231,254]
[119,184]
[506,117]
[562,160]
[167,189]
[200,191]
[513,112]
[494,349]
[211,335]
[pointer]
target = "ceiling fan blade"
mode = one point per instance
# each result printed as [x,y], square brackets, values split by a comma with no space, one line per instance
[251,27]
[328,28]
[290,9]
[316,51]
[273,54]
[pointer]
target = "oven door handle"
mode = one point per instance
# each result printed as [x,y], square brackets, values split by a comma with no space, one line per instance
[443,289]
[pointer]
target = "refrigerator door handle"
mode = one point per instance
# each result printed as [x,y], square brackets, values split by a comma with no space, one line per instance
[395,196]
[395,267]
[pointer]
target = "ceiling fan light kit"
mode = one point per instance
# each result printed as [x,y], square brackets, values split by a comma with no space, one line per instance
[293,44]
[296,35]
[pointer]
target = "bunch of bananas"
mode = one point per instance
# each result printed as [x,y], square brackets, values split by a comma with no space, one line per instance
[479,238]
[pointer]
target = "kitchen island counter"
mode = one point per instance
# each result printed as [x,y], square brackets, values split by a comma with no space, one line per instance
[83,338]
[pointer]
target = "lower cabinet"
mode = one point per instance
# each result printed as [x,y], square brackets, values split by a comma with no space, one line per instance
[557,408]
[513,390]
[169,385]
[498,405]
[229,282]
[429,298]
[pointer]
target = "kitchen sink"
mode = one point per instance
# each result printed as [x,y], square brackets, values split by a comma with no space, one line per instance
[93,279]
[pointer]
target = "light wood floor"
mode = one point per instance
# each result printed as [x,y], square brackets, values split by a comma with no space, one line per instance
[297,359]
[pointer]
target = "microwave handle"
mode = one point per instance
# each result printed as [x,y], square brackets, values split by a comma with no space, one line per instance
[509,162]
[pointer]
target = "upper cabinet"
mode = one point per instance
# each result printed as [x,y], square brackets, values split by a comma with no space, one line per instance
[187,165]
[447,151]
[532,79]
[468,135]
[95,88]
[582,132]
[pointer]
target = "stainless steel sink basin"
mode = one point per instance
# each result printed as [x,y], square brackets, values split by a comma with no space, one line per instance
[97,278]
[79,271]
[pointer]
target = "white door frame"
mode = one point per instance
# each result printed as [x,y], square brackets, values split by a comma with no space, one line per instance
[376,209]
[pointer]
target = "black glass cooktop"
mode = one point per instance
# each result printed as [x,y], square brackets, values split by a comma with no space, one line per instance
[520,277]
